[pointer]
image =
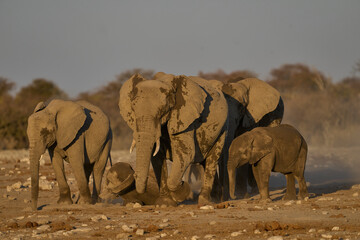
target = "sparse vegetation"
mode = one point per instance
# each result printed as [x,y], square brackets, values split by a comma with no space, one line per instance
[326,113]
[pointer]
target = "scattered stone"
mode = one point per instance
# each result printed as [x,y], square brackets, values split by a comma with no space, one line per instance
[162,235]
[325,199]
[195,237]
[357,186]
[164,225]
[327,236]
[81,230]
[335,228]
[43,228]
[31,224]
[270,209]
[140,232]
[258,207]
[176,232]
[275,238]
[298,202]
[321,230]
[137,205]
[325,212]
[289,203]
[207,207]
[235,234]
[127,229]
[257,231]
[212,222]
[99,217]
[355,194]
[165,220]
[192,214]
[311,230]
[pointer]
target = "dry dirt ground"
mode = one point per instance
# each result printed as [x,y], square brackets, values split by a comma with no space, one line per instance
[331,212]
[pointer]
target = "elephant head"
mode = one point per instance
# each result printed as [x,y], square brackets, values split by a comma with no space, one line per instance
[56,124]
[249,147]
[147,105]
[257,98]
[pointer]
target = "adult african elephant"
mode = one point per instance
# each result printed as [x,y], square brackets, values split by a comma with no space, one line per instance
[178,118]
[251,103]
[77,132]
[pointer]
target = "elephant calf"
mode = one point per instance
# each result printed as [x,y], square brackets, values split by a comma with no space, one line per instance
[278,149]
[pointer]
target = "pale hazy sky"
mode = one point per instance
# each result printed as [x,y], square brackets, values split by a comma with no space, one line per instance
[82,44]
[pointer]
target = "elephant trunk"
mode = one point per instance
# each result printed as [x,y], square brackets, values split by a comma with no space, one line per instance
[232,177]
[35,155]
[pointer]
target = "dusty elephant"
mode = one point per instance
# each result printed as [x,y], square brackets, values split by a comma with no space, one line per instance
[180,118]
[120,182]
[251,103]
[278,149]
[77,132]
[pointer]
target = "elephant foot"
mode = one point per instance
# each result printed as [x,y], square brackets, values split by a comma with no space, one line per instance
[289,197]
[182,193]
[84,200]
[65,200]
[204,200]
[165,200]
[265,201]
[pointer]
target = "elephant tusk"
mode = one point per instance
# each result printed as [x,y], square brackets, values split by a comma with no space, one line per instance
[157,147]
[132,146]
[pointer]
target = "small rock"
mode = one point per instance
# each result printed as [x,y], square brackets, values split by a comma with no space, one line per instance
[26,201]
[81,230]
[44,228]
[212,222]
[235,234]
[270,209]
[164,225]
[257,231]
[258,207]
[207,207]
[195,237]
[355,194]
[99,217]
[298,202]
[291,202]
[325,199]
[321,230]
[176,232]
[275,238]
[137,205]
[165,220]
[126,228]
[107,227]
[163,235]
[335,228]
[140,232]
[356,186]
[327,236]
[325,212]
[311,230]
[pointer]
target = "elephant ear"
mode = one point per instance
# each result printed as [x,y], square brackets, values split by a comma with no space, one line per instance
[262,99]
[127,93]
[40,106]
[70,118]
[261,146]
[189,104]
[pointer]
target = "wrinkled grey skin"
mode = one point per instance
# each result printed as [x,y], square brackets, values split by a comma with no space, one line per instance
[278,149]
[120,182]
[76,132]
[251,103]
[187,117]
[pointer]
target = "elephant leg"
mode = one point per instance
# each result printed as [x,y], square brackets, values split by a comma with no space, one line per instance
[290,187]
[262,176]
[64,190]
[98,171]
[299,173]
[77,161]
[161,173]
[210,170]
[241,181]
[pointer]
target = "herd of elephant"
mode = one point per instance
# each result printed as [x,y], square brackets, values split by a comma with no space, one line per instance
[185,119]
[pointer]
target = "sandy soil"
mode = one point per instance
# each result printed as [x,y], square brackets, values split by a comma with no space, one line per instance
[332,211]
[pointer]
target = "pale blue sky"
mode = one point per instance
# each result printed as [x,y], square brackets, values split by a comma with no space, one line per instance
[82,44]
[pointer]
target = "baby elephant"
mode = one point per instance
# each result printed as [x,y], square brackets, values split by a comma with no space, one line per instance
[278,149]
